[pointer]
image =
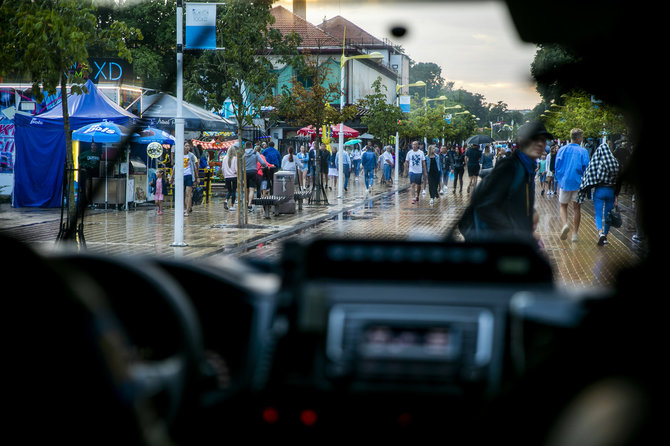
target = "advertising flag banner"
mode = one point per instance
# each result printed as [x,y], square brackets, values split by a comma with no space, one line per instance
[404,102]
[200,26]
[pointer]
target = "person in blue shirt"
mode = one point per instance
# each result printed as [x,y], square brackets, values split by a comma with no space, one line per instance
[272,156]
[571,162]
[369,162]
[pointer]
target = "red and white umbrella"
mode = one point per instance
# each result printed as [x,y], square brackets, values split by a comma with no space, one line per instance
[348,132]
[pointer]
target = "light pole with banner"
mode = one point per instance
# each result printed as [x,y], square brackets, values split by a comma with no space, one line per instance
[397,136]
[340,164]
[200,34]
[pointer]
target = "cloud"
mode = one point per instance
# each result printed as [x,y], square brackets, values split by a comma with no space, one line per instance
[475,43]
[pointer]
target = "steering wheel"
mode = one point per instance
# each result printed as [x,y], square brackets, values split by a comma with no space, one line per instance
[161,327]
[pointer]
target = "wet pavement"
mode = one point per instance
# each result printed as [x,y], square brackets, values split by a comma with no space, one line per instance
[212,231]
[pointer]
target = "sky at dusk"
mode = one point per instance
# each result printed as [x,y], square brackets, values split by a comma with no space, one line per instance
[474,42]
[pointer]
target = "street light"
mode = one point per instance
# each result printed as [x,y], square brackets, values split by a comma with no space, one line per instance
[340,164]
[397,136]
[426,100]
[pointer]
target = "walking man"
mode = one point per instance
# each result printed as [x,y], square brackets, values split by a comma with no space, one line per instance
[272,156]
[571,162]
[416,166]
[369,162]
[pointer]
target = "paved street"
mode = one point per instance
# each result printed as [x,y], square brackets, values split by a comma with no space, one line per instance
[211,231]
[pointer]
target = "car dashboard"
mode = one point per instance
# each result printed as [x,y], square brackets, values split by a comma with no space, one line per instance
[343,336]
[400,339]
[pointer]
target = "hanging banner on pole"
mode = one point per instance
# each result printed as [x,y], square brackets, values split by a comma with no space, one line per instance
[200,26]
[404,101]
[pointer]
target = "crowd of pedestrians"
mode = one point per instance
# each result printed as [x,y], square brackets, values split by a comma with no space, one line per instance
[574,171]
[505,201]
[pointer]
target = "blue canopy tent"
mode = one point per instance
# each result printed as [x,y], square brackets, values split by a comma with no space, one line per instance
[40,145]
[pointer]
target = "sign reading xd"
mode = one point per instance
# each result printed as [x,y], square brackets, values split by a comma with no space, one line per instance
[200,26]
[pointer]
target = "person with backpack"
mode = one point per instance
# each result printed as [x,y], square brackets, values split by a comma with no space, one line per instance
[504,202]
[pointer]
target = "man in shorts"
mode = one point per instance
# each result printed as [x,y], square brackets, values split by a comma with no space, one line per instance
[415,162]
[571,162]
[190,177]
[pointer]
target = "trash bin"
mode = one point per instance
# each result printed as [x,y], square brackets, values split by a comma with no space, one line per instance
[284,186]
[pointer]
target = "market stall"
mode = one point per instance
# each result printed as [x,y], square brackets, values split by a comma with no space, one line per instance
[40,145]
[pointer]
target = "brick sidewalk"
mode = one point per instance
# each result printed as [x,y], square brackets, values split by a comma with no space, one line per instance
[212,231]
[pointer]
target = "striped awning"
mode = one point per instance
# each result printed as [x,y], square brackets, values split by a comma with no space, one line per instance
[214,145]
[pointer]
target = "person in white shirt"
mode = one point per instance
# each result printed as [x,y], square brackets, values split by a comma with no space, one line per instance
[386,163]
[415,164]
[356,161]
[229,170]
[290,162]
[190,177]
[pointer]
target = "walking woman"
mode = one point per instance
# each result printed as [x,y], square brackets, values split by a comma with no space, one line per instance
[601,175]
[302,167]
[458,164]
[434,173]
[487,159]
[229,168]
[551,166]
[356,161]
[289,163]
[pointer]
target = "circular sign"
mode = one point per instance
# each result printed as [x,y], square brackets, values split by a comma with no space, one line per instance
[154,149]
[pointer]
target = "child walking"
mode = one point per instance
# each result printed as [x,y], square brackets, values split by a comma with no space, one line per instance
[158,194]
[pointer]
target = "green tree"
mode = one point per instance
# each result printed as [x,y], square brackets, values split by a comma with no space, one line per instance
[382,117]
[579,111]
[304,106]
[431,74]
[153,57]
[549,62]
[44,39]
[241,71]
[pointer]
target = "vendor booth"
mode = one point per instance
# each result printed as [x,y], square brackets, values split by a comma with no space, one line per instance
[160,110]
[40,145]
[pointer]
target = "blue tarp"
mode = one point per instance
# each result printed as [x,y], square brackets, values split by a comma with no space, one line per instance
[40,145]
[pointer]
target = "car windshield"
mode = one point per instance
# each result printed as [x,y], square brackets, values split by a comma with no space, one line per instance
[424,100]
[331,219]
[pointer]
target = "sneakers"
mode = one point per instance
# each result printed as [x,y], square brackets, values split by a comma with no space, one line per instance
[225,205]
[602,239]
[232,208]
[432,201]
[575,239]
[564,232]
[250,208]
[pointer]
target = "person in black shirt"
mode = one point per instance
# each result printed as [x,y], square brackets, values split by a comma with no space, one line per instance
[457,157]
[472,157]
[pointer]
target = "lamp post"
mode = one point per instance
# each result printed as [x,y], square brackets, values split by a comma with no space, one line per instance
[178,172]
[340,164]
[426,100]
[397,137]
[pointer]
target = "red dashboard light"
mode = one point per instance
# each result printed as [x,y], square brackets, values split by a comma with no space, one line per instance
[308,417]
[404,419]
[270,415]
